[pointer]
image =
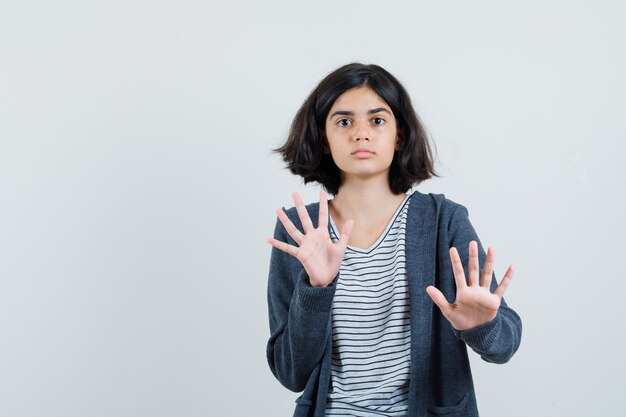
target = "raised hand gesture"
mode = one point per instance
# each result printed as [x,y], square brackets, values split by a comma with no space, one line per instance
[474,304]
[319,255]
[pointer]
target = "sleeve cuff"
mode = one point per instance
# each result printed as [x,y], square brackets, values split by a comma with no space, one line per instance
[481,337]
[319,299]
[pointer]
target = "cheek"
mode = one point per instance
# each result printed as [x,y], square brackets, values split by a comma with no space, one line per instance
[338,154]
[334,144]
[335,151]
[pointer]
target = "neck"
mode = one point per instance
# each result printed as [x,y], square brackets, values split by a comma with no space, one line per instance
[363,199]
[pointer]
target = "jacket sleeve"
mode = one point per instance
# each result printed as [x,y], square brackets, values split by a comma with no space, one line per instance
[299,317]
[495,341]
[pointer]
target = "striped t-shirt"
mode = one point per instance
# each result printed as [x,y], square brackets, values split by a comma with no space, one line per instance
[371,327]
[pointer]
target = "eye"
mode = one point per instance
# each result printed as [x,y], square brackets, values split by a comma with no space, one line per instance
[378,120]
[344,122]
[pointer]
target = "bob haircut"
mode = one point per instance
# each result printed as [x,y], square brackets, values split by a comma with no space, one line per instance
[304,149]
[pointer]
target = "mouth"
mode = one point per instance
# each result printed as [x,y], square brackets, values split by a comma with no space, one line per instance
[362,153]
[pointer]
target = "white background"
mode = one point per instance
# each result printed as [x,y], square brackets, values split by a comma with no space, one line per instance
[137,188]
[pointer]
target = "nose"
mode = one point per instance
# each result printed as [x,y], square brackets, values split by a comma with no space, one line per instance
[361,132]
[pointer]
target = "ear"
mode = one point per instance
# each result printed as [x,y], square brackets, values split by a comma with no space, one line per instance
[397,147]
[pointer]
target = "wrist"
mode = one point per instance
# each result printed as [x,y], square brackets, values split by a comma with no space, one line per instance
[319,283]
[322,282]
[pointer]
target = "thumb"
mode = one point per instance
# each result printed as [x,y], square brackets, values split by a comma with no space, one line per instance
[439,299]
[346,230]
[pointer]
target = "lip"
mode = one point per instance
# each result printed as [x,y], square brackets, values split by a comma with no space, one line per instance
[362,153]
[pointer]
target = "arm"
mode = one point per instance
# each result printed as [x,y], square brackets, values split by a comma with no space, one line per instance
[479,315]
[299,312]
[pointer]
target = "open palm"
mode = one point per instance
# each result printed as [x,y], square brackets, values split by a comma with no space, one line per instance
[320,256]
[474,304]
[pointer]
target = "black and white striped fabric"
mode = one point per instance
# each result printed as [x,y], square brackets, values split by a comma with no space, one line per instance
[371,327]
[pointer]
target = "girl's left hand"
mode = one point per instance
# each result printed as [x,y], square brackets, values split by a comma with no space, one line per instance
[474,304]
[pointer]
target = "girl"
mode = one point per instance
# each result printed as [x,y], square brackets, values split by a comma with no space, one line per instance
[359,285]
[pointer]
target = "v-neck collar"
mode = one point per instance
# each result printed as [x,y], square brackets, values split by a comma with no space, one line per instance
[381,238]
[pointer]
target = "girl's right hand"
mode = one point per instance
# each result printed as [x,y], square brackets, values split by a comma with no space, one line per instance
[316,251]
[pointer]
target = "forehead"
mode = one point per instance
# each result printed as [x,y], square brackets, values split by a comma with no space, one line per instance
[358,98]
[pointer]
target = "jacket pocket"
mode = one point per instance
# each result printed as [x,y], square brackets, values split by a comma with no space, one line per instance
[453,411]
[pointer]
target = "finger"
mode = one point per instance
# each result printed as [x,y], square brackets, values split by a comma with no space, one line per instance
[289,226]
[457,268]
[302,213]
[346,230]
[488,267]
[439,299]
[322,221]
[506,280]
[285,247]
[472,266]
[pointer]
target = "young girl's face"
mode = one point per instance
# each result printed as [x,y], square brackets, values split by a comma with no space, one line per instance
[361,134]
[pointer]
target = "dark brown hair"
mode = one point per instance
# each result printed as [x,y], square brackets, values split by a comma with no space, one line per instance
[304,149]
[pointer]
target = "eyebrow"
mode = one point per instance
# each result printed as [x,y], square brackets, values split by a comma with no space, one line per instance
[349,113]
